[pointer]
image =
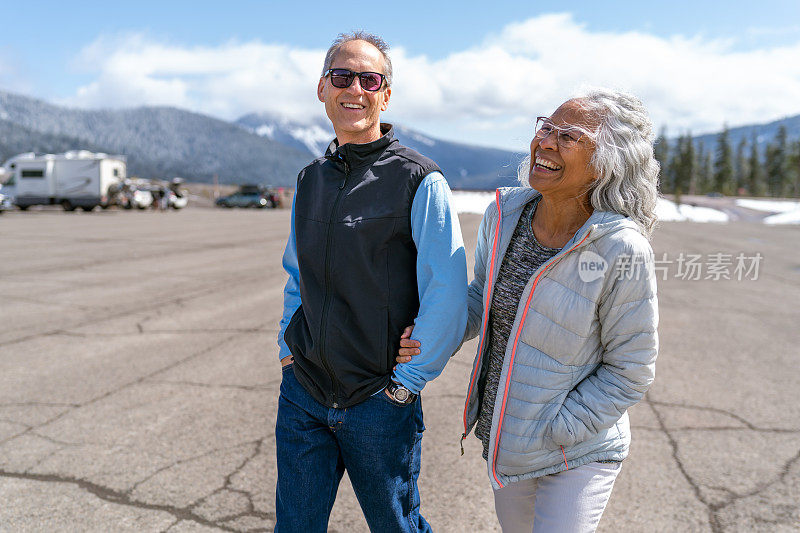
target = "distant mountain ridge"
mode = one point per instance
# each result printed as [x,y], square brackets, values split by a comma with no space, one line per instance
[258,148]
[164,142]
[158,141]
[465,166]
[764,134]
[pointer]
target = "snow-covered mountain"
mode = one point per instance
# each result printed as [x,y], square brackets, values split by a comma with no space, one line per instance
[159,142]
[464,166]
[313,136]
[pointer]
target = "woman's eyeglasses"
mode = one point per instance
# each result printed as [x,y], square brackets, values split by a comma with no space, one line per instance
[566,136]
[342,78]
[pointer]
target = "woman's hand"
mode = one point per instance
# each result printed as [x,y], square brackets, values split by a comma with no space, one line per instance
[408,346]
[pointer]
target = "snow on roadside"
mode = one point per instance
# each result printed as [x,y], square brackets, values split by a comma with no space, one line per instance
[771,206]
[472,201]
[476,202]
[788,217]
[668,211]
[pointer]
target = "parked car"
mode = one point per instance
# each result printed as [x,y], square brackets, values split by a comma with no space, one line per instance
[249,196]
[138,198]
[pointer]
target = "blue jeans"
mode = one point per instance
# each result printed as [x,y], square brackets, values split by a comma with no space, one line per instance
[377,441]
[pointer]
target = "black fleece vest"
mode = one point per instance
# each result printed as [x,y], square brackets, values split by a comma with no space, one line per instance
[357,259]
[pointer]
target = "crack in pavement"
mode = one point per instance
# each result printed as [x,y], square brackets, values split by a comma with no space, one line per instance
[249,388]
[128,312]
[55,441]
[125,498]
[15,423]
[187,460]
[142,331]
[714,509]
[70,305]
[250,511]
[127,259]
[113,496]
[717,410]
[38,404]
[137,381]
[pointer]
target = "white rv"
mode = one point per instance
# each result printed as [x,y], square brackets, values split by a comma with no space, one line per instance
[72,179]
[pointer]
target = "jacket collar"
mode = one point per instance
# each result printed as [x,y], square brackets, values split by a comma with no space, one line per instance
[358,155]
[513,199]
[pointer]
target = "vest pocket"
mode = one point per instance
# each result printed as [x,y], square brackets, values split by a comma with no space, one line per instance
[297,335]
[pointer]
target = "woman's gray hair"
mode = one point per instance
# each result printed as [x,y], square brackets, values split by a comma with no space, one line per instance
[359,35]
[623,160]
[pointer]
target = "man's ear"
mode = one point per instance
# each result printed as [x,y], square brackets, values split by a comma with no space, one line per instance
[320,89]
[387,93]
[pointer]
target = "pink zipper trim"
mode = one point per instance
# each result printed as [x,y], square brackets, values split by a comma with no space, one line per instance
[487,299]
[511,365]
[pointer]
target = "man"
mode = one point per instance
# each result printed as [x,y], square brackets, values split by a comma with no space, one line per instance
[374,247]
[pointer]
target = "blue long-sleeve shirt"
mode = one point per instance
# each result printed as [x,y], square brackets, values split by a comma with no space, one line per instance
[441,283]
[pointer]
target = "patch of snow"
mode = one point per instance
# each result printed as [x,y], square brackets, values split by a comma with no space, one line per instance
[476,202]
[668,211]
[266,130]
[787,217]
[472,201]
[315,138]
[770,206]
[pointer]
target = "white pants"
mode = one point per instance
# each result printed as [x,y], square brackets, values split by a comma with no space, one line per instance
[571,501]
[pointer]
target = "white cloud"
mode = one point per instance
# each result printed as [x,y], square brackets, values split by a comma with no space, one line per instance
[489,93]
[225,81]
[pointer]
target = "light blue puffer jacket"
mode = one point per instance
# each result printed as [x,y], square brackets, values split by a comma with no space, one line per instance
[582,349]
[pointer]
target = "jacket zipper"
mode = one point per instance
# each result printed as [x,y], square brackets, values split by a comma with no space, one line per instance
[327,303]
[485,321]
[511,362]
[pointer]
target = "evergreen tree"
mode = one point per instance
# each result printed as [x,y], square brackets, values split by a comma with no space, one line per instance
[741,166]
[723,164]
[683,166]
[783,180]
[661,153]
[708,172]
[755,176]
[794,169]
[776,164]
[674,168]
[771,165]
[705,171]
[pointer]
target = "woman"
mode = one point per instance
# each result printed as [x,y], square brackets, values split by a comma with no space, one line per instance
[564,301]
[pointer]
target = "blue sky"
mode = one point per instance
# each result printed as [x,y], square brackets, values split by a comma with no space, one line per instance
[695,64]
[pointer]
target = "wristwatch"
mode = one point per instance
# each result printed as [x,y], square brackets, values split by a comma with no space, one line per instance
[399,393]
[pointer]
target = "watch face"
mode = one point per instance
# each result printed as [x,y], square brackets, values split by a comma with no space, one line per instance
[401,394]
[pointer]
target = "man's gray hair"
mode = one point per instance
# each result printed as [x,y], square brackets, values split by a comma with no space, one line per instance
[359,35]
[623,159]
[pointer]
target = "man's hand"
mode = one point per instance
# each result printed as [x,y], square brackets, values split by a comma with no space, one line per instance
[408,346]
[288,360]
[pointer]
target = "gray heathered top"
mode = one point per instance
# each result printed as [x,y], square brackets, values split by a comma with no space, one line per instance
[523,257]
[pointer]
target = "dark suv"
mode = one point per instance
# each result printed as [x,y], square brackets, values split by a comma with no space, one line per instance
[249,196]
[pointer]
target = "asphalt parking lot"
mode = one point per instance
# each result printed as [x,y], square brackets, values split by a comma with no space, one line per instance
[139,381]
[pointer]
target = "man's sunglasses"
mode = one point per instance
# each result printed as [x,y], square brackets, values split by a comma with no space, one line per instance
[342,78]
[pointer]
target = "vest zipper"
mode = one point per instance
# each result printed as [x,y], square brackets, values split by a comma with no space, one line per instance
[327,302]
